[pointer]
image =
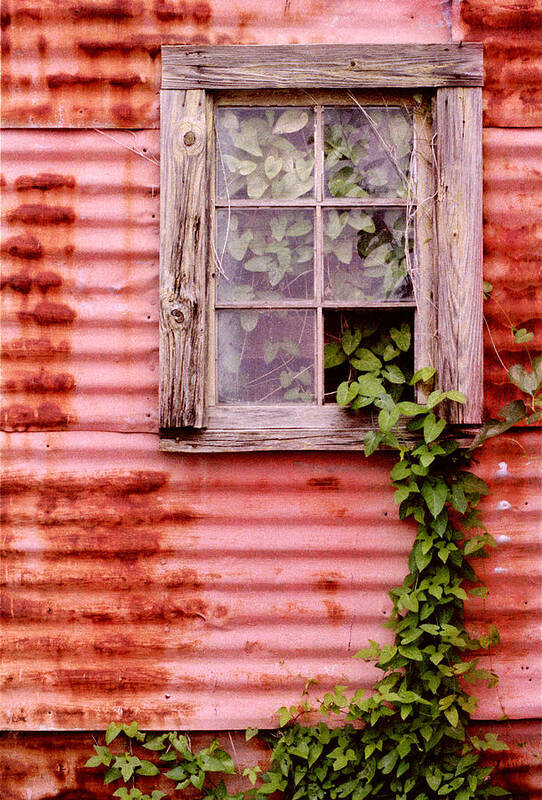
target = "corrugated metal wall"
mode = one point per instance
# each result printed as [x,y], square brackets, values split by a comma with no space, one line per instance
[202,591]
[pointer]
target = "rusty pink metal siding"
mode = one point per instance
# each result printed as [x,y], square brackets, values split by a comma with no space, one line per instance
[94,63]
[47,772]
[135,586]
[202,591]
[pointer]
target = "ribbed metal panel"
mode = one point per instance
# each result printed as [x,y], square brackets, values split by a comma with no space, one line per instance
[204,591]
[96,62]
[201,592]
[80,292]
[54,762]
[511,33]
[512,253]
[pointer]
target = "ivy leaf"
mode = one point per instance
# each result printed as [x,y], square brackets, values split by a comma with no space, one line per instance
[303,168]
[510,415]
[387,762]
[250,733]
[333,355]
[111,775]
[246,167]
[342,249]
[270,351]
[198,779]
[393,374]
[422,375]
[256,185]
[272,166]
[291,121]
[528,382]
[365,361]
[247,138]
[435,494]
[369,653]
[434,780]
[249,319]
[259,264]
[432,428]
[345,183]
[369,386]
[452,716]
[113,730]
[371,442]
[147,768]
[522,336]
[346,393]
[411,652]
[361,221]
[351,340]
[457,397]
[237,245]
[410,409]
[401,337]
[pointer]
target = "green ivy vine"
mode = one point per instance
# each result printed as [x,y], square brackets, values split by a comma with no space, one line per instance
[408,739]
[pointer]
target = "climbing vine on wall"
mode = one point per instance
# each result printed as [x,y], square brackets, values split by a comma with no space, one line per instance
[408,738]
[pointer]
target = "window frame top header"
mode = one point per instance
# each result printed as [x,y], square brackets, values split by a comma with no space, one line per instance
[322,66]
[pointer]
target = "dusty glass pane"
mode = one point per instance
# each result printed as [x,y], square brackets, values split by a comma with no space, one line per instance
[264,153]
[364,255]
[366,152]
[265,254]
[265,357]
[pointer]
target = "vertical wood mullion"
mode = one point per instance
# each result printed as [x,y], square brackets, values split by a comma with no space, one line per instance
[424,266]
[184,224]
[459,242]
[318,254]
[213,254]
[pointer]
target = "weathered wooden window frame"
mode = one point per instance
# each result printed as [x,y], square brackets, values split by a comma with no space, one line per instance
[449,273]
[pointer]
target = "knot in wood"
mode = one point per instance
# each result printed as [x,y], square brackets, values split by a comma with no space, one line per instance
[178,314]
[189,138]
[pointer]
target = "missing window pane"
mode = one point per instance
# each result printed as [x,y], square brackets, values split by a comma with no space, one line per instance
[265,357]
[265,153]
[379,342]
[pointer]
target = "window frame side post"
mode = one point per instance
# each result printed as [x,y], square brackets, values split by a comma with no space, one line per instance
[459,247]
[184,258]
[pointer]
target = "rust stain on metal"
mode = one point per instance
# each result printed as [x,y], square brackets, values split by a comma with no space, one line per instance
[510,32]
[41,214]
[44,181]
[47,313]
[23,246]
[96,64]
[22,417]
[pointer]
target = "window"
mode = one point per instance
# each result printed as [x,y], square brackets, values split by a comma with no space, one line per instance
[302,184]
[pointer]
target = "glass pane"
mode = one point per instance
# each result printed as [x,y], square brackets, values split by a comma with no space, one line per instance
[264,152]
[265,254]
[364,255]
[265,357]
[366,152]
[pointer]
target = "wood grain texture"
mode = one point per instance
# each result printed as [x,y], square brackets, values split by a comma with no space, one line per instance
[459,243]
[183,259]
[424,273]
[321,66]
[254,428]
